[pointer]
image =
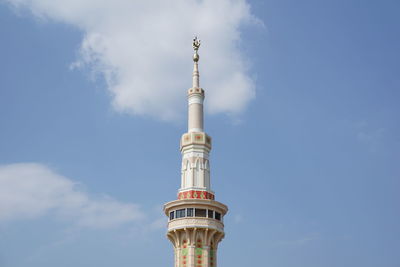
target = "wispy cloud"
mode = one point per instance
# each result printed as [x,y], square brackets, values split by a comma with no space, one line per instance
[369,135]
[30,190]
[143,50]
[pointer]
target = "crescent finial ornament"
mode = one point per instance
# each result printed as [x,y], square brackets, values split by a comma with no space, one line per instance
[196,43]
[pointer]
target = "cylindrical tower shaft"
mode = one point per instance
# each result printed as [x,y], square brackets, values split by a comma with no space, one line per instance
[195,101]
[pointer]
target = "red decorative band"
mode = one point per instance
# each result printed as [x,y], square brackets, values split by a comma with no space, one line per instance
[193,194]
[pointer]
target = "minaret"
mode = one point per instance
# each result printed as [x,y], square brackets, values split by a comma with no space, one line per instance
[195,225]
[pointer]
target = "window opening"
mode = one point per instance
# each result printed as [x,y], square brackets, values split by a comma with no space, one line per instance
[180,213]
[200,213]
[189,212]
[210,214]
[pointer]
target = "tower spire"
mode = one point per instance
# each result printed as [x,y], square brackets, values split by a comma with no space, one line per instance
[196,45]
[195,225]
[195,94]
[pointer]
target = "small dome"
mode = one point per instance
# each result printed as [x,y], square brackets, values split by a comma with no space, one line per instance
[196,57]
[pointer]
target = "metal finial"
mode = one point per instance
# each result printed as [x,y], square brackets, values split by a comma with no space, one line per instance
[196,43]
[196,46]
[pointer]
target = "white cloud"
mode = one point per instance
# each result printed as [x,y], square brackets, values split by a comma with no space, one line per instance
[29,190]
[143,49]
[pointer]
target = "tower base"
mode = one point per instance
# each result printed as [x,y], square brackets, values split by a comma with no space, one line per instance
[195,228]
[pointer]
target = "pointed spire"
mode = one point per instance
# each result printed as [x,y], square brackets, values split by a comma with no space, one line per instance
[196,57]
[195,95]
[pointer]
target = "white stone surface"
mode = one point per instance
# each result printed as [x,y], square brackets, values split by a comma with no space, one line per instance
[189,235]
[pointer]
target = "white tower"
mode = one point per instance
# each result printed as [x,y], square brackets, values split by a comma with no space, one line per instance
[195,225]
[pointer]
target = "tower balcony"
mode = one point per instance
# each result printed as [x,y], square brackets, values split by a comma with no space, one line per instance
[195,227]
[195,213]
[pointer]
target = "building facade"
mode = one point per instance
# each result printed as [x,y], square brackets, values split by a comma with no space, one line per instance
[195,220]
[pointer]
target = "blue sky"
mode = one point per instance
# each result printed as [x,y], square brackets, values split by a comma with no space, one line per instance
[305,151]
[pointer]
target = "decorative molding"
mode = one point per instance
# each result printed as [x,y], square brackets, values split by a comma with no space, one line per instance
[195,194]
[195,223]
[196,99]
[195,138]
[195,91]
